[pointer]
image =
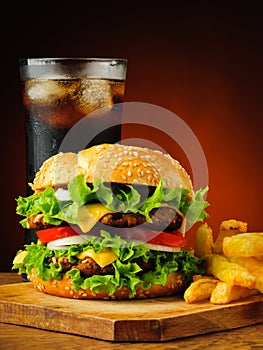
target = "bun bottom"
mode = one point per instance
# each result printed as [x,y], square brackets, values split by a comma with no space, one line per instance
[175,284]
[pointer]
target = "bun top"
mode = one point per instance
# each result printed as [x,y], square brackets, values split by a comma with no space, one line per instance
[56,170]
[114,163]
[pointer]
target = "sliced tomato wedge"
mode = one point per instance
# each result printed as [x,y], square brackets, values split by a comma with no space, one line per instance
[168,239]
[54,233]
[172,239]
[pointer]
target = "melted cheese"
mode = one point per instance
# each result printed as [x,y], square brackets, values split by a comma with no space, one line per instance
[19,259]
[106,257]
[90,214]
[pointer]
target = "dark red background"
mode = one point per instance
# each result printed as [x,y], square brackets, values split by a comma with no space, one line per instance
[202,60]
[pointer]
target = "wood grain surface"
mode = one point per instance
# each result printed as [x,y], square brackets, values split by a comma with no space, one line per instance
[159,319]
[28,338]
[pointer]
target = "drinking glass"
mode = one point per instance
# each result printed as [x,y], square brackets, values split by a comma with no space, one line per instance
[57,93]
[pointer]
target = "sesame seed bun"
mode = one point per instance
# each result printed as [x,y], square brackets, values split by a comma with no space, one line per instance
[175,284]
[114,163]
[55,171]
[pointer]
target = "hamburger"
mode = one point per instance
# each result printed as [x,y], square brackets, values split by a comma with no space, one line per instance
[110,223]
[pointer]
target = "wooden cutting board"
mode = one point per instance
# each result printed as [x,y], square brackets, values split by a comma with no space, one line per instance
[157,319]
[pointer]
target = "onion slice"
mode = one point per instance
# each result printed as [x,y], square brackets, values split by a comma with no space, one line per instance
[158,247]
[64,243]
[162,248]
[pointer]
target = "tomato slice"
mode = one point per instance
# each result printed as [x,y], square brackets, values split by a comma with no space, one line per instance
[54,233]
[168,239]
[172,239]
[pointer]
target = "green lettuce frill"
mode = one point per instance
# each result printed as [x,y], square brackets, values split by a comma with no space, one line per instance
[118,198]
[126,271]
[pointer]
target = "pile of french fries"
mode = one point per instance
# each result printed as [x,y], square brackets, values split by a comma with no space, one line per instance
[233,264]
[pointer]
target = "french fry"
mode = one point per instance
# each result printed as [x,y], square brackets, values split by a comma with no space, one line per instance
[200,289]
[198,277]
[228,228]
[229,272]
[203,241]
[224,293]
[233,264]
[254,266]
[244,244]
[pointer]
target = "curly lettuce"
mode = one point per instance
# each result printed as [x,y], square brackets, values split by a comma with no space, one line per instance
[118,198]
[126,271]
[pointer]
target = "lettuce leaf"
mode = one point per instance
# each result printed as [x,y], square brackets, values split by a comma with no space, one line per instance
[119,198]
[46,203]
[126,271]
[195,210]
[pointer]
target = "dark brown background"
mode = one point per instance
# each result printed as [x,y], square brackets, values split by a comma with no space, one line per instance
[199,59]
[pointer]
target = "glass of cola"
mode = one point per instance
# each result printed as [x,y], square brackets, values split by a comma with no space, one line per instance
[59,92]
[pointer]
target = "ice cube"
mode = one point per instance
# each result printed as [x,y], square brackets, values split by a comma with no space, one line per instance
[45,91]
[93,95]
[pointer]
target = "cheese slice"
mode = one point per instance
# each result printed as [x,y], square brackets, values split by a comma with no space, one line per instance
[19,259]
[90,214]
[103,258]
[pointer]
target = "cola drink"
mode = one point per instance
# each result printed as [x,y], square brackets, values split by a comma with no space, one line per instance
[57,93]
